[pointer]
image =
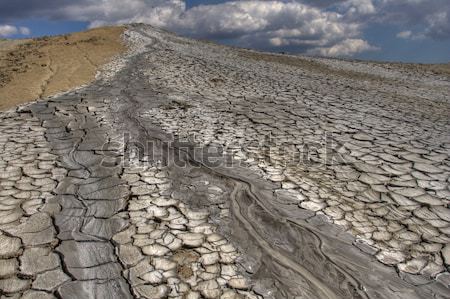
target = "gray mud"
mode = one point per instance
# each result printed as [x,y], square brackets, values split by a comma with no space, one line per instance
[111,223]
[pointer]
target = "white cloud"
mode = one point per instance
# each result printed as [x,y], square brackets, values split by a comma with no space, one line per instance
[155,12]
[271,24]
[431,19]
[24,30]
[268,19]
[408,34]
[347,47]
[264,24]
[8,30]
[357,8]
[313,26]
[296,26]
[405,34]
[439,24]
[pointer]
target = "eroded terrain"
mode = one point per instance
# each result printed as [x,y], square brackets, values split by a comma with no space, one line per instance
[332,179]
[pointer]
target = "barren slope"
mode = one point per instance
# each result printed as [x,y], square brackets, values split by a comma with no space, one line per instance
[32,69]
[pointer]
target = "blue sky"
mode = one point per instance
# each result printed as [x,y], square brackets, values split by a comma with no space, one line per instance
[41,27]
[389,30]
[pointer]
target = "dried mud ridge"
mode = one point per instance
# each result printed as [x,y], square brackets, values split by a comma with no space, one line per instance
[373,224]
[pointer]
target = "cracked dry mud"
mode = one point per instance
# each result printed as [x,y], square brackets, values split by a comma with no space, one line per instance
[364,215]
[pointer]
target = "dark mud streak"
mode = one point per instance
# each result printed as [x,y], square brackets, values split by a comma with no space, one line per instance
[87,252]
[321,290]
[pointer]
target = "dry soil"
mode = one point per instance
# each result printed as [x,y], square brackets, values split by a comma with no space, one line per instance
[32,69]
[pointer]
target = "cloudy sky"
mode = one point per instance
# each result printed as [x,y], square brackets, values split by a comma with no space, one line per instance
[401,30]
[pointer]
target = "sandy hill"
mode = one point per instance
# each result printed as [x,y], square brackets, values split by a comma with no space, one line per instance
[34,68]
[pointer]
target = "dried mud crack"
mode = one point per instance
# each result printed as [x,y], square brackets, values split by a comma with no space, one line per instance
[325,185]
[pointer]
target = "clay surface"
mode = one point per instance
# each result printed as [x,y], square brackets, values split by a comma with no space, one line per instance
[193,170]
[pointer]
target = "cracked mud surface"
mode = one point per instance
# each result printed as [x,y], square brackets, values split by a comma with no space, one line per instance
[365,216]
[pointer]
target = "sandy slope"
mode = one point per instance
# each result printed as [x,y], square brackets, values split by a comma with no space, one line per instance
[31,69]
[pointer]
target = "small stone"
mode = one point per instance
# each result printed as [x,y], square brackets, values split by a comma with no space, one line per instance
[37,295]
[163,264]
[134,273]
[442,212]
[14,285]
[277,178]
[288,185]
[212,238]
[9,246]
[38,229]
[409,236]
[209,288]
[334,212]
[151,292]
[413,266]
[227,248]
[155,250]
[154,277]
[196,215]
[228,258]
[164,202]
[158,212]
[313,206]
[210,258]
[410,192]
[228,270]
[175,244]
[428,168]
[129,255]
[432,269]
[428,200]
[192,239]
[229,294]
[154,181]
[36,260]
[238,283]
[391,257]
[125,236]
[425,213]
[446,254]
[362,137]
[50,280]
[130,178]
[193,295]
[213,269]
[143,189]
[8,267]
[370,180]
